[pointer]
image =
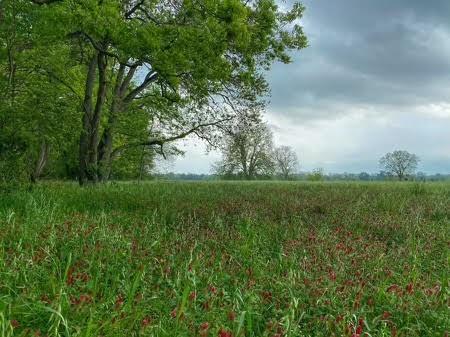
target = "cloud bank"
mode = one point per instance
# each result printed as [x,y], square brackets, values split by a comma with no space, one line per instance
[375,77]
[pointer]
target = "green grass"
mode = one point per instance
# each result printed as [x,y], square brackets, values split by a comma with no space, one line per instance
[225,259]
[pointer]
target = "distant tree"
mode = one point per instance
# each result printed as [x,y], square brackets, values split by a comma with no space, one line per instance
[400,163]
[421,176]
[247,151]
[364,176]
[286,161]
[316,175]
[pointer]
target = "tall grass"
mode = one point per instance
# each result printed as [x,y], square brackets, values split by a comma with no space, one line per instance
[225,259]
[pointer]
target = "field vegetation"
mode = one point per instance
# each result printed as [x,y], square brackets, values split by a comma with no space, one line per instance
[225,259]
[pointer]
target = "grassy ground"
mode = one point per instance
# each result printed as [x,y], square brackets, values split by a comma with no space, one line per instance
[225,259]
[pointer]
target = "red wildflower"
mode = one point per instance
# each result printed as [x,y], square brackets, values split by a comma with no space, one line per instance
[15,324]
[393,331]
[192,295]
[204,329]
[231,315]
[74,300]
[146,321]
[173,314]
[409,288]
[357,302]
[212,289]
[204,326]
[433,291]
[119,302]
[70,278]
[224,333]
[332,275]
[85,298]
[251,283]
[386,315]
[359,330]
[45,299]
[267,295]
[394,288]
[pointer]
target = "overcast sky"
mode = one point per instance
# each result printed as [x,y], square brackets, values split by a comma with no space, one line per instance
[375,78]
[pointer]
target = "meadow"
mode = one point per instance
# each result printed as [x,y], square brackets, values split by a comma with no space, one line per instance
[225,259]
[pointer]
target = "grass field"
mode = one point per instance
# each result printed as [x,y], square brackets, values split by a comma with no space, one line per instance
[225,259]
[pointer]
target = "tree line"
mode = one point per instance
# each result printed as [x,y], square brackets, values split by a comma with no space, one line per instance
[248,152]
[95,90]
[309,176]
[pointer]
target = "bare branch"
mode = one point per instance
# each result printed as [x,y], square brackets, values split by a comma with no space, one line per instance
[150,78]
[161,141]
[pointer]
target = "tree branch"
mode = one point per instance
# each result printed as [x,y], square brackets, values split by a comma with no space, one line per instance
[126,82]
[60,80]
[129,13]
[161,141]
[150,78]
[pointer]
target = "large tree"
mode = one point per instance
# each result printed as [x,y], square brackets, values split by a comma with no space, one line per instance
[247,151]
[177,54]
[286,161]
[400,163]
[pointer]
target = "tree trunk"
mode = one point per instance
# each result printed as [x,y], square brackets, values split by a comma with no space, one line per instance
[106,143]
[120,101]
[95,120]
[89,138]
[105,147]
[41,161]
[86,124]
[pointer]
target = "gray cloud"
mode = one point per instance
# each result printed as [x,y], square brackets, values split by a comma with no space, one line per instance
[375,77]
[391,53]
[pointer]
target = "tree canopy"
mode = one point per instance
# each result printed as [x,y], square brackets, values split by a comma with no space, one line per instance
[138,74]
[286,161]
[400,163]
[247,151]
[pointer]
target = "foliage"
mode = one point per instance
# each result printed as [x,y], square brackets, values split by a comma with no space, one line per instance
[171,69]
[38,117]
[286,161]
[248,258]
[247,151]
[400,163]
[316,175]
[198,63]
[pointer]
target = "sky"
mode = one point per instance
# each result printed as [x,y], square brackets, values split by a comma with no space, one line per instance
[374,78]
